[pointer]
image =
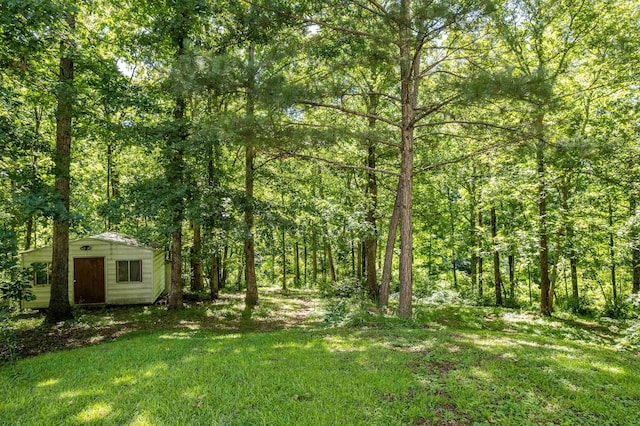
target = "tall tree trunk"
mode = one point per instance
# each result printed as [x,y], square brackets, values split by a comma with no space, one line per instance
[554,274]
[480,260]
[472,244]
[497,277]
[332,269]
[388,252]
[197,281]
[37,113]
[512,277]
[353,257]
[297,264]
[175,169]
[314,256]
[564,194]
[214,276]
[304,256]
[409,83]
[545,303]
[59,306]
[241,269]
[612,252]
[226,254]
[284,261]
[371,240]
[251,298]
[358,265]
[635,248]
[452,228]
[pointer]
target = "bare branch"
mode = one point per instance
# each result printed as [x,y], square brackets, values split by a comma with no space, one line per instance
[471,123]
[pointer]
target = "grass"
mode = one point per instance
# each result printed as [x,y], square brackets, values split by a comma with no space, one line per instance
[451,365]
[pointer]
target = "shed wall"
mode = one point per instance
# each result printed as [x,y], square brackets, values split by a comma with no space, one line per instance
[115,292]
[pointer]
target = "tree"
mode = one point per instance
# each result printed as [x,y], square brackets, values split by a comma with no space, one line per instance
[59,307]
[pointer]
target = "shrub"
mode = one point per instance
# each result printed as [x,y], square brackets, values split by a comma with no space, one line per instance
[618,308]
[15,284]
[443,297]
[336,311]
[8,341]
[345,288]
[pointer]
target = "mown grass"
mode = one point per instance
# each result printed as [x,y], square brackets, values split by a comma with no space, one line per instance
[450,366]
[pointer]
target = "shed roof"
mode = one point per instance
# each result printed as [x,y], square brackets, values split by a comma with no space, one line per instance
[113,237]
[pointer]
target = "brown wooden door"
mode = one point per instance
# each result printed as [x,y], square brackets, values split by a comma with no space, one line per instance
[88,280]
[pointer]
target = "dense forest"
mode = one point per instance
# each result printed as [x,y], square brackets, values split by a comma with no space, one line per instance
[487,149]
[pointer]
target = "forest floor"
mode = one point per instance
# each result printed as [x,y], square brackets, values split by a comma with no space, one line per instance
[92,326]
[301,359]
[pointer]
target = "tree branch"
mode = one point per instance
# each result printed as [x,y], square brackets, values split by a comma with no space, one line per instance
[459,158]
[285,154]
[350,111]
[309,20]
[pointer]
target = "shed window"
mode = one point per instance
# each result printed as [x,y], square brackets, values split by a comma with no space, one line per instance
[129,270]
[41,273]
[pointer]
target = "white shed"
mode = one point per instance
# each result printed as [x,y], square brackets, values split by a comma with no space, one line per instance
[108,268]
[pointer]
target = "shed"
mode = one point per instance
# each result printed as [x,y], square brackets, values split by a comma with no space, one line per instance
[108,268]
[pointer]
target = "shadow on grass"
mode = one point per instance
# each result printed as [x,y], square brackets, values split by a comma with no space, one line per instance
[476,366]
[109,323]
[187,377]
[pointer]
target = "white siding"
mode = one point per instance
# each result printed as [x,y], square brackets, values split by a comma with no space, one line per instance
[129,292]
[158,273]
[115,292]
[42,292]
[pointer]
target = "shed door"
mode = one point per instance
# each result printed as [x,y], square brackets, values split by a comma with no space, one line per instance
[88,280]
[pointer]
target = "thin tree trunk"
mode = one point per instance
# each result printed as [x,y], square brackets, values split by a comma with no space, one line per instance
[545,303]
[284,262]
[371,240]
[497,277]
[214,276]
[314,256]
[225,266]
[353,258]
[474,256]
[612,253]
[59,306]
[635,248]
[480,260]
[251,298]
[197,281]
[37,112]
[388,253]
[512,277]
[332,269]
[297,264]
[452,227]
[554,275]
[241,269]
[304,256]
[575,296]
[358,265]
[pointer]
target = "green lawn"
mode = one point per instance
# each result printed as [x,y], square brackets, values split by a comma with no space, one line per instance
[451,366]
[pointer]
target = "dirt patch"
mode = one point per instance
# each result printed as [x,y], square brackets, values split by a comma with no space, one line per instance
[440,365]
[95,326]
